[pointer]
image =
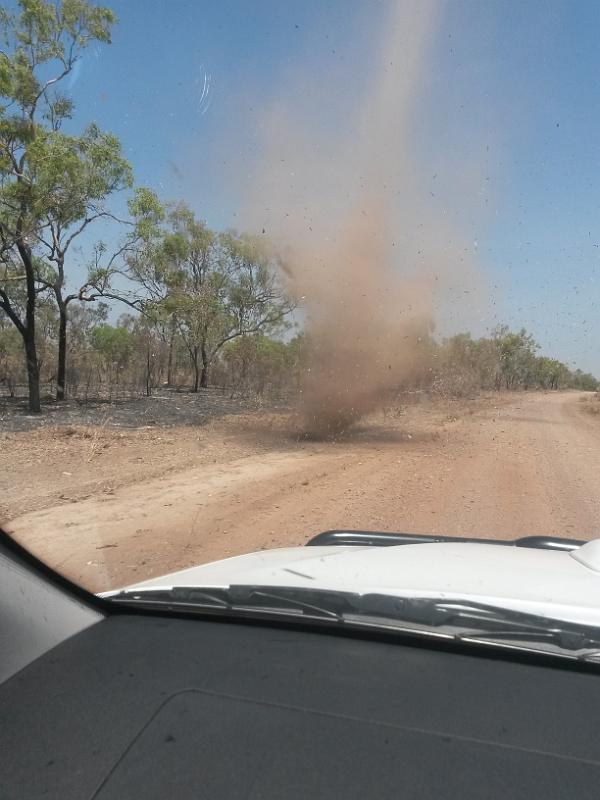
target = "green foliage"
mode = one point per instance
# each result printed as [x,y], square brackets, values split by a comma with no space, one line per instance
[210,288]
[148,214]
[584,381]
[114,343]
[260,365]
[43,42]
[506,360]
[516,352]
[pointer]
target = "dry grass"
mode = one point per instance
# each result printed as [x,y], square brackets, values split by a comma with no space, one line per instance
[591,403]
[52,464]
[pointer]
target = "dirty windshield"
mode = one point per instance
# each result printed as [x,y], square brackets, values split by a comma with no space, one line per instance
[269,269]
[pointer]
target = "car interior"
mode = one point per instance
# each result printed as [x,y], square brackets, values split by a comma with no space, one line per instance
[98,701]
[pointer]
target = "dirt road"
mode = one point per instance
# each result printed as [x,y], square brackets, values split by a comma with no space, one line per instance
[523,467]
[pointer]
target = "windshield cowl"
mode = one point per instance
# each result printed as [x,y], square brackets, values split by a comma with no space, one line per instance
[460,620]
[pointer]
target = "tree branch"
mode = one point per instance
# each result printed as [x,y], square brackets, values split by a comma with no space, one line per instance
[6,306]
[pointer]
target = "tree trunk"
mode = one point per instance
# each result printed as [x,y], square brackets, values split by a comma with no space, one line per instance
[148,372]
[196,369]
[61,374]
[171,348]
[28,330]
[170,364]
[205,366]
[33,371]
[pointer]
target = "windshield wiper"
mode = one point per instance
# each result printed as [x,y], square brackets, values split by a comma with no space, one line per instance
[236,598]
[466,620]
[473,621]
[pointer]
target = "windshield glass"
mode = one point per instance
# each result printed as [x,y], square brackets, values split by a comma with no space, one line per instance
[271,269]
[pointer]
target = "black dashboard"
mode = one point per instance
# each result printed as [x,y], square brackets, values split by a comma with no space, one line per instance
[138,706]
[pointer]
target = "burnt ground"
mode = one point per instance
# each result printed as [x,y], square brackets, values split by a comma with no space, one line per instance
[166,408]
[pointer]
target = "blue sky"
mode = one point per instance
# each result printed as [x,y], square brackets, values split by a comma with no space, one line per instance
[513,88]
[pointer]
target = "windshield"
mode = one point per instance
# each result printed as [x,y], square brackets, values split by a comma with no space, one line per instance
[271,269]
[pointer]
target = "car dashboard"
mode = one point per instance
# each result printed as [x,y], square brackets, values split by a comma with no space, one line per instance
[133,704]
[143,707]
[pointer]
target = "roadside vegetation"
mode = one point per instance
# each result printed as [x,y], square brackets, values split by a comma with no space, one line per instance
[591,403]
[136,356]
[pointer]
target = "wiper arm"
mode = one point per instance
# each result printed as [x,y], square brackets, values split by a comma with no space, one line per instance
[474,621]
[564,638]
[286,602]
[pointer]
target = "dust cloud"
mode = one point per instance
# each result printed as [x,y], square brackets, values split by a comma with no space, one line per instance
[346,206]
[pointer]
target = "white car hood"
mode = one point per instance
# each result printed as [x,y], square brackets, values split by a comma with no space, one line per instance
[564,585]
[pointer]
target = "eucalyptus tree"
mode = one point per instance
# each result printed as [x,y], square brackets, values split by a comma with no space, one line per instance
[53,185]
[209,288]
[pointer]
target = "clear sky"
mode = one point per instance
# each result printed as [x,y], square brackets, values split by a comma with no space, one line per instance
[513,91]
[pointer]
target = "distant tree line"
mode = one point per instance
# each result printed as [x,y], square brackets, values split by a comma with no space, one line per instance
[136,354]
[506,360]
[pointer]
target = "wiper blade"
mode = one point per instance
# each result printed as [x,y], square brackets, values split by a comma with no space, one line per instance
[236,598]
[176,595]
[461,620]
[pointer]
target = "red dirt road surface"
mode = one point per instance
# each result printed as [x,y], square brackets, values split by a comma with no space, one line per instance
[526,465]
